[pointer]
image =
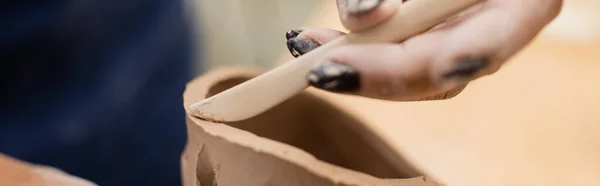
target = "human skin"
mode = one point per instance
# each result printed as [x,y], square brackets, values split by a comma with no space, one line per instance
[437,64]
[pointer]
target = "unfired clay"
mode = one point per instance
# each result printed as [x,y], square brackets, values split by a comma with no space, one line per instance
[303,141]
[14,172]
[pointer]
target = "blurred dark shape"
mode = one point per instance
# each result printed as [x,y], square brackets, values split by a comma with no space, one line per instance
[94,87]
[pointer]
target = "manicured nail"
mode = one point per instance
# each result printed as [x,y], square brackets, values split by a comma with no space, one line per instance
[334,77]
[356,7]
[292,34]
[300,46]
[466,68]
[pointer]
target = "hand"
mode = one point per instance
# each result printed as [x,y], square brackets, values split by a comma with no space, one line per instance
[434,65]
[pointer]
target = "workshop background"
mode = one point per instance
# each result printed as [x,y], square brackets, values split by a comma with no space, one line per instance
[535,122]
[252,32]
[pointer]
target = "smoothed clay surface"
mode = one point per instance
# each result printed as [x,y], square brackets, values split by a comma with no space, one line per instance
[14,172]
[303,141]
[319,129]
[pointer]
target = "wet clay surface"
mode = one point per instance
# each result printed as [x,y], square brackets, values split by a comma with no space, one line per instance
[318,129]
[303,141]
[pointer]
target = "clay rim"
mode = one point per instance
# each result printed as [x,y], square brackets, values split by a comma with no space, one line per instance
[202,86]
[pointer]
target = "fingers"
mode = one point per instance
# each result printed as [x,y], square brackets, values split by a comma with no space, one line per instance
[306,39]
[357,15]
[383,71]
[398,72]
[481,44]
[437,64]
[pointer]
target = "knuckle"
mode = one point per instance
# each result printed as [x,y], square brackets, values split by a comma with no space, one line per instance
[555,8]
[493,68]
[354,25]
[385,86]
[445,95]
[546,10]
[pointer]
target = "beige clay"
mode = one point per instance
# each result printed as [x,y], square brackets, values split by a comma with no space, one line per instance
[303,141]
[14,172]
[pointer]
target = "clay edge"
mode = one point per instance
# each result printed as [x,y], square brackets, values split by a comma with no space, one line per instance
[246,139]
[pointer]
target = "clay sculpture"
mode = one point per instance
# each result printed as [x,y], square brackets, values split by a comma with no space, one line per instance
[16,172]
[303,141]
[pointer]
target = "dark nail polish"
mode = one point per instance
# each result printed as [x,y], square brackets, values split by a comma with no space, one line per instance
[356,7]
[334,77]
[292,34]
[466,68]
[300,46]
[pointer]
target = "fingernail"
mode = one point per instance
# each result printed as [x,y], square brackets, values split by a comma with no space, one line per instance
[466,68]
[334,77]
[292,34]
[300,46]
[356,7]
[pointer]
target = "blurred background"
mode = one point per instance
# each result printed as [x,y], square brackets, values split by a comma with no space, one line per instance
[251,32]
[237,32]
[535,122]
[94,88]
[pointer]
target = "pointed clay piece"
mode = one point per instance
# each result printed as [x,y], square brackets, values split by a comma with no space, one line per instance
[17,173]
[303,141]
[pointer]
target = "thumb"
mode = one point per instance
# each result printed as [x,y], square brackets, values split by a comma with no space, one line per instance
[357,15]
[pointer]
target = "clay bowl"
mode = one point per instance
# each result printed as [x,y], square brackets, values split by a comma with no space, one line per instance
[303,141]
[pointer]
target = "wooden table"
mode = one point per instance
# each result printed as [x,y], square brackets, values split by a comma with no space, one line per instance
[535,122]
